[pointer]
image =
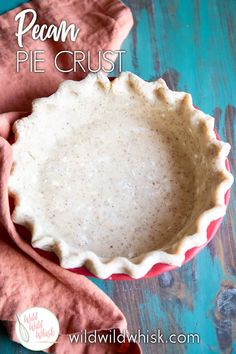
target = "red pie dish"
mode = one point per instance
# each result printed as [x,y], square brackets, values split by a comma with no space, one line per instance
[121,179]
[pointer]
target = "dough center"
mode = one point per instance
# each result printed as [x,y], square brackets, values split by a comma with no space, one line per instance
[117,188]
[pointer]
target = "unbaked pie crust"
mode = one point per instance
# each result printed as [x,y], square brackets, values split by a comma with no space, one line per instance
[117,175]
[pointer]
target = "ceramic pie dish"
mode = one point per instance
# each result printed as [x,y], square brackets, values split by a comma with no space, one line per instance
[118,175]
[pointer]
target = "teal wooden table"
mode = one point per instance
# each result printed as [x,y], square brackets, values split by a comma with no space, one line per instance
[192,44]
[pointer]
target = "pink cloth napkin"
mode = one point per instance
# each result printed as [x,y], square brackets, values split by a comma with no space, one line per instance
[26,278]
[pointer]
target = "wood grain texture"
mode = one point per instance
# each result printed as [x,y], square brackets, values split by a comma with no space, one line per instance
[9,5]
[192,44]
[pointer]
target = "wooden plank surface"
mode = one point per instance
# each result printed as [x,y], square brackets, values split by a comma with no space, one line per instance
[192,44]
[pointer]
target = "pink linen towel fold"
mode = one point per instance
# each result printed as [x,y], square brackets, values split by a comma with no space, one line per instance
[26,278]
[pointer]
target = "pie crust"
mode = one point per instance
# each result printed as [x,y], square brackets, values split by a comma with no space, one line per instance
[117,175]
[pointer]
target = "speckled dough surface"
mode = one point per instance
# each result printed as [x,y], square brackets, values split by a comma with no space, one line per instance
[125,172]
[118,183]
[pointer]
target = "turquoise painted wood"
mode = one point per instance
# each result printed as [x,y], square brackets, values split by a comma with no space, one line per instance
[6,5]
[192,45]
